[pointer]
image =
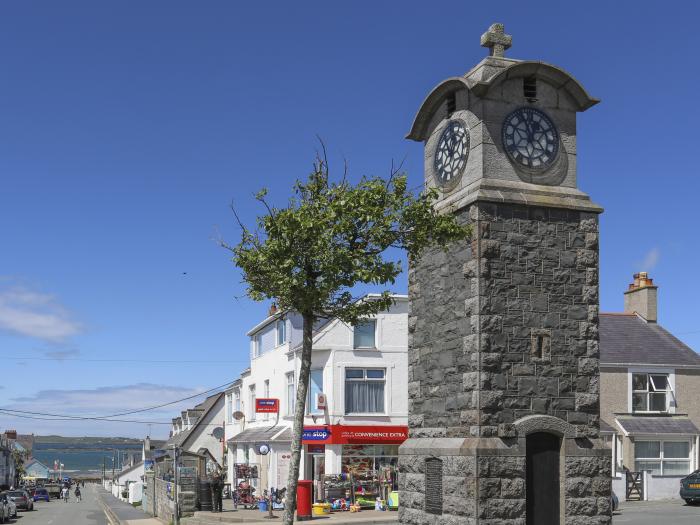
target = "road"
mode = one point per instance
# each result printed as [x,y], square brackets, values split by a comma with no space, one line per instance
[654,512]
[56,512]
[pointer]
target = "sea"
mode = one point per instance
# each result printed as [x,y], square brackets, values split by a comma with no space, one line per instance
[85,457]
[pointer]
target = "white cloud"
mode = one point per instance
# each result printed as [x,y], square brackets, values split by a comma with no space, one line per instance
[650,260]
[35,314]
[99,402]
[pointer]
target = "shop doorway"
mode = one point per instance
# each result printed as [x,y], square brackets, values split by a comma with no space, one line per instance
[542,479]
[318,466]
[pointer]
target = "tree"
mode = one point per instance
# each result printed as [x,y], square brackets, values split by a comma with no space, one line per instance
[332,236]
[19,458]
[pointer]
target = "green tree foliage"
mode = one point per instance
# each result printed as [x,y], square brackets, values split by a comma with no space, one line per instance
[332,236]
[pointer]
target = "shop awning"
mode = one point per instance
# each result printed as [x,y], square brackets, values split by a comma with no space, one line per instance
[657,425]
[263,434]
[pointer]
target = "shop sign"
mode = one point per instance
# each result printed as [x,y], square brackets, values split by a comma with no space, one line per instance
[267,405]
[363,434]
[355,434]
[316,449]
[315,434]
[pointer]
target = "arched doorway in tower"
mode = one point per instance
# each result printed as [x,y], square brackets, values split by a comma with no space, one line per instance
[543,476]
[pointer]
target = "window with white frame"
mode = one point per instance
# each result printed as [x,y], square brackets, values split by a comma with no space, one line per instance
[229,407]
[266,394]
[364,334]
[662,458]
[281,332]
[364,390]
[237,400]
[650,392]
[251,399]
[257,345]
[291,394]
[315,388]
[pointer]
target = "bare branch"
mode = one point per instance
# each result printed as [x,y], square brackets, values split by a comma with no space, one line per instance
[244,230]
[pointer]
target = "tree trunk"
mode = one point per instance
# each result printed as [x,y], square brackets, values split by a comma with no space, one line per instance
[299,411]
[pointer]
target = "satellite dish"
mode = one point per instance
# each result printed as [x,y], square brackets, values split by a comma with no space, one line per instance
[238,415]
[218,433]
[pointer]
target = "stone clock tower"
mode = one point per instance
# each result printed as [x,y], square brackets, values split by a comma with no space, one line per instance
[503,330]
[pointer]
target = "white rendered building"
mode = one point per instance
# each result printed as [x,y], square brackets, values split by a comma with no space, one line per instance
[362,371]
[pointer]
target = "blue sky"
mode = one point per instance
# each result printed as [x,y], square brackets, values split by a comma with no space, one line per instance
[127,128]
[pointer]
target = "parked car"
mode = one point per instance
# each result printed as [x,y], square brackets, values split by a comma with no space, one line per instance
[41,494]
[11,507]
[690,487]
[22,499]
[4,509]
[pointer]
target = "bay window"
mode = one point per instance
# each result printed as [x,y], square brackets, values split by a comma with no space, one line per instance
[650,392]
[662,458]
[291,394]
[229,408]
[364,390]
[315,388]
[251,398]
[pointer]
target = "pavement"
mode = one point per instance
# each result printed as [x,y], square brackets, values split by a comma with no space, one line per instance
[119,512]
[670,512]
[240,515]
[56,512]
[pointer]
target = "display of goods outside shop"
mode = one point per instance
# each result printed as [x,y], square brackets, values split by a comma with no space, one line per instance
[358,487]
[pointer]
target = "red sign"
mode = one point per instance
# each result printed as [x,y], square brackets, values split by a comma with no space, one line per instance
[316,449]
[356,434]
[266,404]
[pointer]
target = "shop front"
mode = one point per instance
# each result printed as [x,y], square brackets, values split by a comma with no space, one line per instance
[353,464]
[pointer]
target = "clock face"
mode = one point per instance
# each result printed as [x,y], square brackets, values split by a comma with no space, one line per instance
[264,449]
[451,153]
[531,139]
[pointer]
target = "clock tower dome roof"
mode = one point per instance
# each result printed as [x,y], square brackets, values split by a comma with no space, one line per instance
[487,75]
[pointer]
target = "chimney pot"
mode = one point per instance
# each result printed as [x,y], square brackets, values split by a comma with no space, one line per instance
[273,310]
[641,297]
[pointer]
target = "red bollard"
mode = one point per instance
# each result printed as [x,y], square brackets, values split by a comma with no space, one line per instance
[304,499]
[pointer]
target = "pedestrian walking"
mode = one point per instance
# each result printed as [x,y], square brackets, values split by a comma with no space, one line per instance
[64,494]
[77,493]
[217,487]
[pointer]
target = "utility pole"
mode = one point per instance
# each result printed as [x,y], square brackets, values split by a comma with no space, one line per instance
[176,512]
[104,467]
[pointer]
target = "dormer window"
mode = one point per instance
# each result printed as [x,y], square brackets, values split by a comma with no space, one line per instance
[650,392]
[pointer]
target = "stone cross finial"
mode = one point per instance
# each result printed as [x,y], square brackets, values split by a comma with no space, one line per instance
[496,40]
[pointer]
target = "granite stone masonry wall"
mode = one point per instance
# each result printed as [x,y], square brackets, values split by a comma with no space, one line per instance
[501,328]
[476,312]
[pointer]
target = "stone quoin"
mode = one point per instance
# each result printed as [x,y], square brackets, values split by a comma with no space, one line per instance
[503,329]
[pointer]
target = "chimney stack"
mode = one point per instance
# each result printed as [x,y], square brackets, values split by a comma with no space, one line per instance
[641,297]
[273,310]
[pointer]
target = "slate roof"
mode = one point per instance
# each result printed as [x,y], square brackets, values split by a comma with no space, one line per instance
[250,435]
[627,339]
[657,425]
[206,405]
[605,428]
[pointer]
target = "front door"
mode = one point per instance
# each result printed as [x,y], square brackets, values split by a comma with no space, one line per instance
[543,477]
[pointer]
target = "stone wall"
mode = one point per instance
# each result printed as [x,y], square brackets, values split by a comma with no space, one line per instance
[149,492]
[476,309]
[164,493]
[503,341]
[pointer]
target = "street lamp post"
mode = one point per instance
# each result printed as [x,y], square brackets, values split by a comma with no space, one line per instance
[176,510]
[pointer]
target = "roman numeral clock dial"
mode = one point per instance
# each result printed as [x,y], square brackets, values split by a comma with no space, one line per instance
[451,154]
[530,139]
